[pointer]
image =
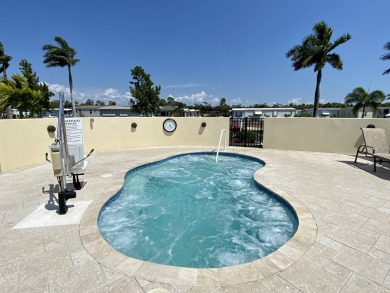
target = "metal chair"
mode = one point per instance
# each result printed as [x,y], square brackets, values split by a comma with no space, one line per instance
[376,145]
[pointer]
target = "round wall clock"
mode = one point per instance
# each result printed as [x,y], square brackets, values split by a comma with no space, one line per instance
[169,125]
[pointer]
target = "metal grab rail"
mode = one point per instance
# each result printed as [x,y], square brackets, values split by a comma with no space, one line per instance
[219,144]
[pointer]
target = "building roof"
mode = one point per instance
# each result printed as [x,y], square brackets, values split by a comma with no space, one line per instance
[263,109]
[167,108]
[115,108]
[88,107]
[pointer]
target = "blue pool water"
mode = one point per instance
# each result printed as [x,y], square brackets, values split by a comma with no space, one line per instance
[190,211]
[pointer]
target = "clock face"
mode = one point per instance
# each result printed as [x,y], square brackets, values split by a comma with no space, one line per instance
[169,125]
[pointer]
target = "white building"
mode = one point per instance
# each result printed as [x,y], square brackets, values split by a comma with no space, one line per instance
[262,112]
[191,113]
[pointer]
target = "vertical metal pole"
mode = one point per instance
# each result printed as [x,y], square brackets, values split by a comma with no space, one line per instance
[261,131]
[61,140]
[61,125]
[245,130]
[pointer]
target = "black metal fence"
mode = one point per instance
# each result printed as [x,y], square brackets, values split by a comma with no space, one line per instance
[246,132]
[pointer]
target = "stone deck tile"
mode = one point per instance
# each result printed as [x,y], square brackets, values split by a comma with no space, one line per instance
[337,270]
[383,243]
[379,254]
[9,277]
[124,284]
[251,287]
[279,285]
[360,284]
[333,205]
[319,254]
[307,277]
[128,266]
[82,278]
[35,271]
[352,222]
[351,239]
[363,264]
[208,278]
[377,226]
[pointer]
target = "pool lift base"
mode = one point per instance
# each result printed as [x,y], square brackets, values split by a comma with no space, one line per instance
[63,196]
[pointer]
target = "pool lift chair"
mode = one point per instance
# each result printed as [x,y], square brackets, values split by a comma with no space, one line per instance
[376,145]
[67,160]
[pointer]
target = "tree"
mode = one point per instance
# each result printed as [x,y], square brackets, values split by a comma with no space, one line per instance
[27,72]
[145,94]
[34,84]
[385,57]
[100,103]
[363,99]
[61,55]
[316,50]
[162,103]
[17,94]
[223,107]
[111,103]
[88,102]
[171,101]
[4,61]
[262,105]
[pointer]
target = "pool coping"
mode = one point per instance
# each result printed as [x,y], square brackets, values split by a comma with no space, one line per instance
[257,270]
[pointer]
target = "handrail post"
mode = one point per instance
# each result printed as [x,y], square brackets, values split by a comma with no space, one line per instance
[219,144]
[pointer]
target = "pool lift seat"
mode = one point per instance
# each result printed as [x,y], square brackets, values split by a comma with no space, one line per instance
[77,162]
[75,165]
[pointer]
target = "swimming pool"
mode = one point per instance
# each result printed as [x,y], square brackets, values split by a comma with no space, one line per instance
[190,211]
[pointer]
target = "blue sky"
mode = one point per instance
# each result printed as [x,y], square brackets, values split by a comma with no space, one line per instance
[199,51]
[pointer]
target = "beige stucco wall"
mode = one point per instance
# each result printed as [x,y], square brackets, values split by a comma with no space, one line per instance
[332,135]
[24,142]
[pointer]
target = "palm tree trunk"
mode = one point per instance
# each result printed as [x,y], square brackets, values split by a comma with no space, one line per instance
[364,110]
[317,94]
[71,92]
[4,72]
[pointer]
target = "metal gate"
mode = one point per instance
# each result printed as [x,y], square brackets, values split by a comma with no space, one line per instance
[246,132]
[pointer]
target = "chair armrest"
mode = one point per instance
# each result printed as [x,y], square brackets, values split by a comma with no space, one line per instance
[372,148]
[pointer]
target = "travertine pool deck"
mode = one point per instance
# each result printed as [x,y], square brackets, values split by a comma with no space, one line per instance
[342,245]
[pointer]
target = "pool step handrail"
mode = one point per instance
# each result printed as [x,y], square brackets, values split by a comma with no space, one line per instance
[223,131]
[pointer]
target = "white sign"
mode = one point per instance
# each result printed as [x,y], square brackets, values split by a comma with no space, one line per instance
[74,130]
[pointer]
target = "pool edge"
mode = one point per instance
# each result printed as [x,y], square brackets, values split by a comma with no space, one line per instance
[257,270]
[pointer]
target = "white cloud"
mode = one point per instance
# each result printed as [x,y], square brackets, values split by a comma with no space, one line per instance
[105,96]
[193,98]
[237,101]
[214,100]
[112,93]
[202,97]
[56,88]
[295,101]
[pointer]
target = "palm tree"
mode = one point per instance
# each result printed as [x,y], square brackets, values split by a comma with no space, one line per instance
[315,50]
[4,61]
[61,55]
[386,57]
[363,99]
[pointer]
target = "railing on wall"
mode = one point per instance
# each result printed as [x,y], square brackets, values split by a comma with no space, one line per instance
[223,132]
[246,132]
